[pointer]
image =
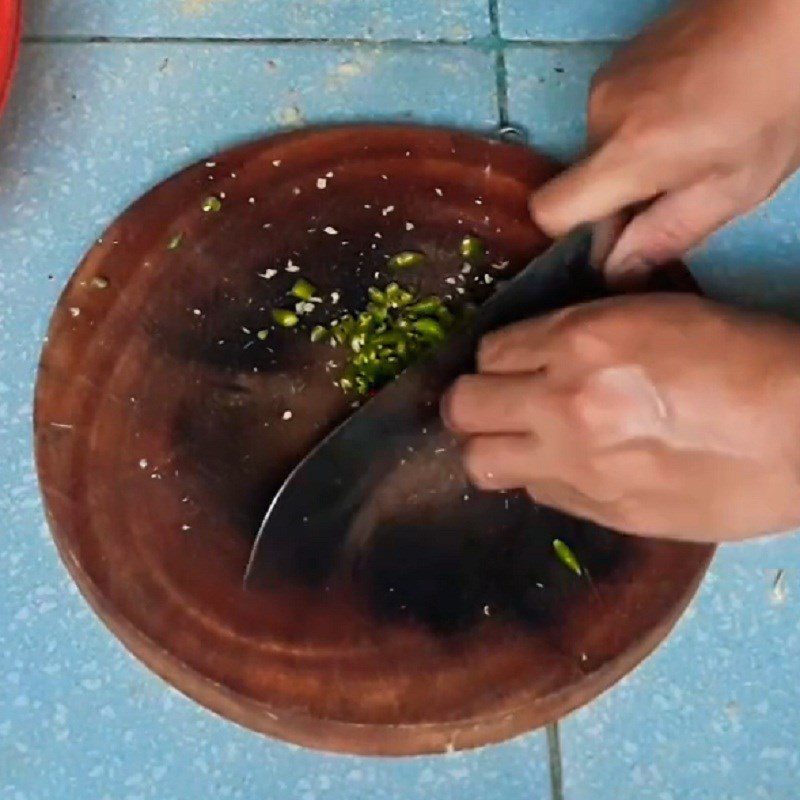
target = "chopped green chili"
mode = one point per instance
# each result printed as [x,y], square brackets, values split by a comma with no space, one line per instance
[319,333]
[428,305]
[567,557]
[175,241]
[406,260]
[429,328]
[377,296]
[212,204]
[472,249]
[396,328]
[303,290]
[262,334]
[285,318]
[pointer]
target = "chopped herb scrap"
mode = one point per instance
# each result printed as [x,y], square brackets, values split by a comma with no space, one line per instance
[303,290]
[406,260]
[567,557]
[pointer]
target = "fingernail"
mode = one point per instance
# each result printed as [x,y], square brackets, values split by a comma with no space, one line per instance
[444,408]
[629,274]
[631,263]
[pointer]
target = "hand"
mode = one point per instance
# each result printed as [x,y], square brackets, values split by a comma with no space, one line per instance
[693,123]
[663,415]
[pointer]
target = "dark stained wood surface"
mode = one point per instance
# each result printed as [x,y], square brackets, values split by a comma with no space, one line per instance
[160,439]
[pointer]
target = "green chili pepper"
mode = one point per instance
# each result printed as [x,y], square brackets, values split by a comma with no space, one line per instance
[303,290]
[366,321]
[379,313]
[377,296]
[567,557]
[212,204]
[472,249]
[393,292]
[428,305]
[319,333]
[406,260]
[429,328]
[175,241]
[262,334]
[285,318]
[395,328]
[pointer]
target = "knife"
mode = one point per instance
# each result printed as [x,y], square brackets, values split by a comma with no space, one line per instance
[305,532]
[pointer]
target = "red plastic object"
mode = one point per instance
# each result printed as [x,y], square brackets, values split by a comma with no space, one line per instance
[10,32]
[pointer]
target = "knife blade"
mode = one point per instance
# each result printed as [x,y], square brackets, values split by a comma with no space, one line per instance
[304,533]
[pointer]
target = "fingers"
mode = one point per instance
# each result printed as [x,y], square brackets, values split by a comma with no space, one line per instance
[597,188]
[488,404]
[497,463]
[672,225]
[500,462]
[521,347]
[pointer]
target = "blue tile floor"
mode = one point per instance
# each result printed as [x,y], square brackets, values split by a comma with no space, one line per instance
[112,97]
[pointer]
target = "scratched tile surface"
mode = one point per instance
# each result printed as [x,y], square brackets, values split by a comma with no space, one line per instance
[576,20]
[317,19]
[715,714]
[89,128]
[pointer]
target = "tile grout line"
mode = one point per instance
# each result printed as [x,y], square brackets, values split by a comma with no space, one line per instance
[68,38]
[555,762]
[493,42]
[500,73]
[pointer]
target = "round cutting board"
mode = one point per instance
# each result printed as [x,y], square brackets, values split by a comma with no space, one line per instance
[162,433]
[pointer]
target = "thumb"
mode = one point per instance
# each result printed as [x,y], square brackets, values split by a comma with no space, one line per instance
[670,226]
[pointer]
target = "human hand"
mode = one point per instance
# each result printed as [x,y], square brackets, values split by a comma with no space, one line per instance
[693,123]
[665,415]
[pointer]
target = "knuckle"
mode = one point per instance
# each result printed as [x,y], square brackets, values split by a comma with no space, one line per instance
[645,131]
[586,343]
[601,99]
[489,349]
[546,209]
[586,407]
[508,349]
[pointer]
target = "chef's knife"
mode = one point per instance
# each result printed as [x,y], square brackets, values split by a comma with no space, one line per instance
[306,527]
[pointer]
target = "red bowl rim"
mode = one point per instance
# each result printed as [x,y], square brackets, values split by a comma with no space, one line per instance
[10,34]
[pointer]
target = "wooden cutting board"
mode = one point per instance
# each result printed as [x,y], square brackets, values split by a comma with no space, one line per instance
[160,437]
